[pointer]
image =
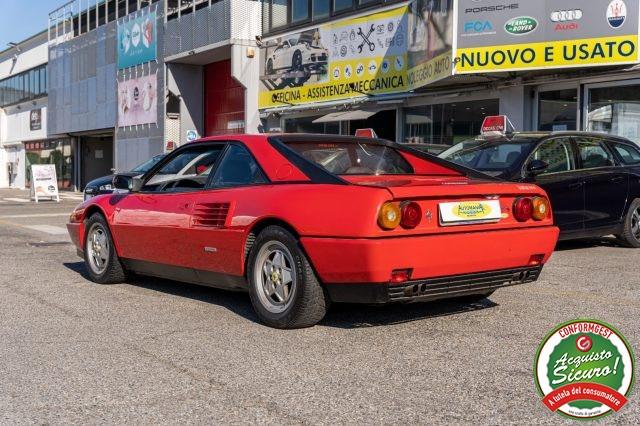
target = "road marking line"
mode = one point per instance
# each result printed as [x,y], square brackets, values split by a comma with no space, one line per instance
[18,200]
[26,216]
[48,229]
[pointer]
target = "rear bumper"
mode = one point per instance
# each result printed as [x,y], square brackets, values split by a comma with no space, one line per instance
[355,261]
[433,288]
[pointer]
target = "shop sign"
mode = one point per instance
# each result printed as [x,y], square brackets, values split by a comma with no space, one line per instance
[137,40]
[137,101]
[548,34]
[35,119]
[391,51]
[44,182]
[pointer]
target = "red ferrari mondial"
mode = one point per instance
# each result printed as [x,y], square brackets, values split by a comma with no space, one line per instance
[300,221]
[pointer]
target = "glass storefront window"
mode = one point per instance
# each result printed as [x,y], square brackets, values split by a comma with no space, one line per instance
[56,152]
[558,110]
[447,124]
[306,125]
[615,110]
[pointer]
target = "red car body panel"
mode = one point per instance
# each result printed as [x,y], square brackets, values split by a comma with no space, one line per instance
[336,223]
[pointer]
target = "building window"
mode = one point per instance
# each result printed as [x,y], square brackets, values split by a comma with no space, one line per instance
[447,124]
[558,110]
[321,8]
[342,5]
[615,110]
[57,152]
[281,14]
[299,10]
[23,87]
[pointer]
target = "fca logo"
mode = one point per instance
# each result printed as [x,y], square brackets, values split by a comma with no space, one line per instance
[478,26]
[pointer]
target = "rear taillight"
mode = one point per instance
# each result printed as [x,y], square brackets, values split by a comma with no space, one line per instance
[411,215]
[541,208]
[523,209]
[389,216]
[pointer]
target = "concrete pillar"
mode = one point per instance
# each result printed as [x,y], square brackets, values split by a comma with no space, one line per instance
[246,70]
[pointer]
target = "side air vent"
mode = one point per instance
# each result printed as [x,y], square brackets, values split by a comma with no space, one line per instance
[210,215]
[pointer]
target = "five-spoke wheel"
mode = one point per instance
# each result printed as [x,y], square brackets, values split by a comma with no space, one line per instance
[284,290]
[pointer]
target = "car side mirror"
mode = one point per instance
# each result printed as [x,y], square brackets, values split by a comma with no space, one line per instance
[536,167]
[136,184]
[122,182]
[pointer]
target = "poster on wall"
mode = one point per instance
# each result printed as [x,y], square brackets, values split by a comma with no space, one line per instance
[44,182]
[430,35]
[137,40]
[137,101]
[513,36]
[386,52]
[35,119]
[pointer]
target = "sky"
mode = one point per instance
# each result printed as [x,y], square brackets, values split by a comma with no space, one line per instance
[20,19]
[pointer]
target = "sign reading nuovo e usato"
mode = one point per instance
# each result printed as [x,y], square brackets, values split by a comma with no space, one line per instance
[522,35]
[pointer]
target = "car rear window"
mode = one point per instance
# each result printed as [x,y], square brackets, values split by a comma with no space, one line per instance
[354,158]
[490,156]
[628,153]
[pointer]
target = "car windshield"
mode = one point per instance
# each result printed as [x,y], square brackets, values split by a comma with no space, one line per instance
[147,165]
[489,156]
[354,158]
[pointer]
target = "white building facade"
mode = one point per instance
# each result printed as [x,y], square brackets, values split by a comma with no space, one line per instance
[23,111]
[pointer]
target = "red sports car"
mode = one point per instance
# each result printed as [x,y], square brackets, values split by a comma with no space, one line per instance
[300,221]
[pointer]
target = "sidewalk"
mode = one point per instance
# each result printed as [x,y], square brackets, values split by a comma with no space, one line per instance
[45,221]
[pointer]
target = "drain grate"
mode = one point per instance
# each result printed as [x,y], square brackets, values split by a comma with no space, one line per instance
[49,244]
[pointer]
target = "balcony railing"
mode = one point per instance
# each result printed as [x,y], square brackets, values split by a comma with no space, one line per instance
[78,17]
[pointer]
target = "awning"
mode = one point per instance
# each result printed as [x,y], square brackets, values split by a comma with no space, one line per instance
[345,116]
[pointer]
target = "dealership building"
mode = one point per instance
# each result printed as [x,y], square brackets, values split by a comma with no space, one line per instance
[128,79]
[552,66]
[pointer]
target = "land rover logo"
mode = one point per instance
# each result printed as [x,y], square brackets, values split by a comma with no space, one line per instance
[521,25]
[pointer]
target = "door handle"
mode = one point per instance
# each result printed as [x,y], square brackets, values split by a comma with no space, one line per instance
[617,179]
[576,185]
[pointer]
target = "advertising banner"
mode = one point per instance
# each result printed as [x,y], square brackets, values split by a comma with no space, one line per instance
[137,40]
[386,52]
[137,101]
[44,182]
[523,35]
[35,119]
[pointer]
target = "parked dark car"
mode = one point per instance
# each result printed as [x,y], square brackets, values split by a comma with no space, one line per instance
[593,180]
[103,185]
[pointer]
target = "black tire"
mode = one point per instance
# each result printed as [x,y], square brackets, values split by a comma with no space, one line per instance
[307,302]
[296,61]
[269,67]
[112,271]
[630,236]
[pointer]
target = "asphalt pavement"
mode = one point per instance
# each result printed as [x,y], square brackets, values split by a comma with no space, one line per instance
[157,351]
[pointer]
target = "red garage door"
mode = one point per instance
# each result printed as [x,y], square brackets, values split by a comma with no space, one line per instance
[224,100]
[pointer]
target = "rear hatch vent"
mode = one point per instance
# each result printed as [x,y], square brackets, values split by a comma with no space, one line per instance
[210,215]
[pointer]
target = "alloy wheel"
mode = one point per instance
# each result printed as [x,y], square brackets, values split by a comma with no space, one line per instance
[98,248]
[635,224]
[275,277]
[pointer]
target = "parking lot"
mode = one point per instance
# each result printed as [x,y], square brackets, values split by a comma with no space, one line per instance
[159,351]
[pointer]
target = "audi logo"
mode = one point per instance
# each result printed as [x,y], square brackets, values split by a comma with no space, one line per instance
[566,15]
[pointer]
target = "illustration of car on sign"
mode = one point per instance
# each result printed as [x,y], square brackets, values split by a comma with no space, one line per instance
[301,221]
[294,55]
